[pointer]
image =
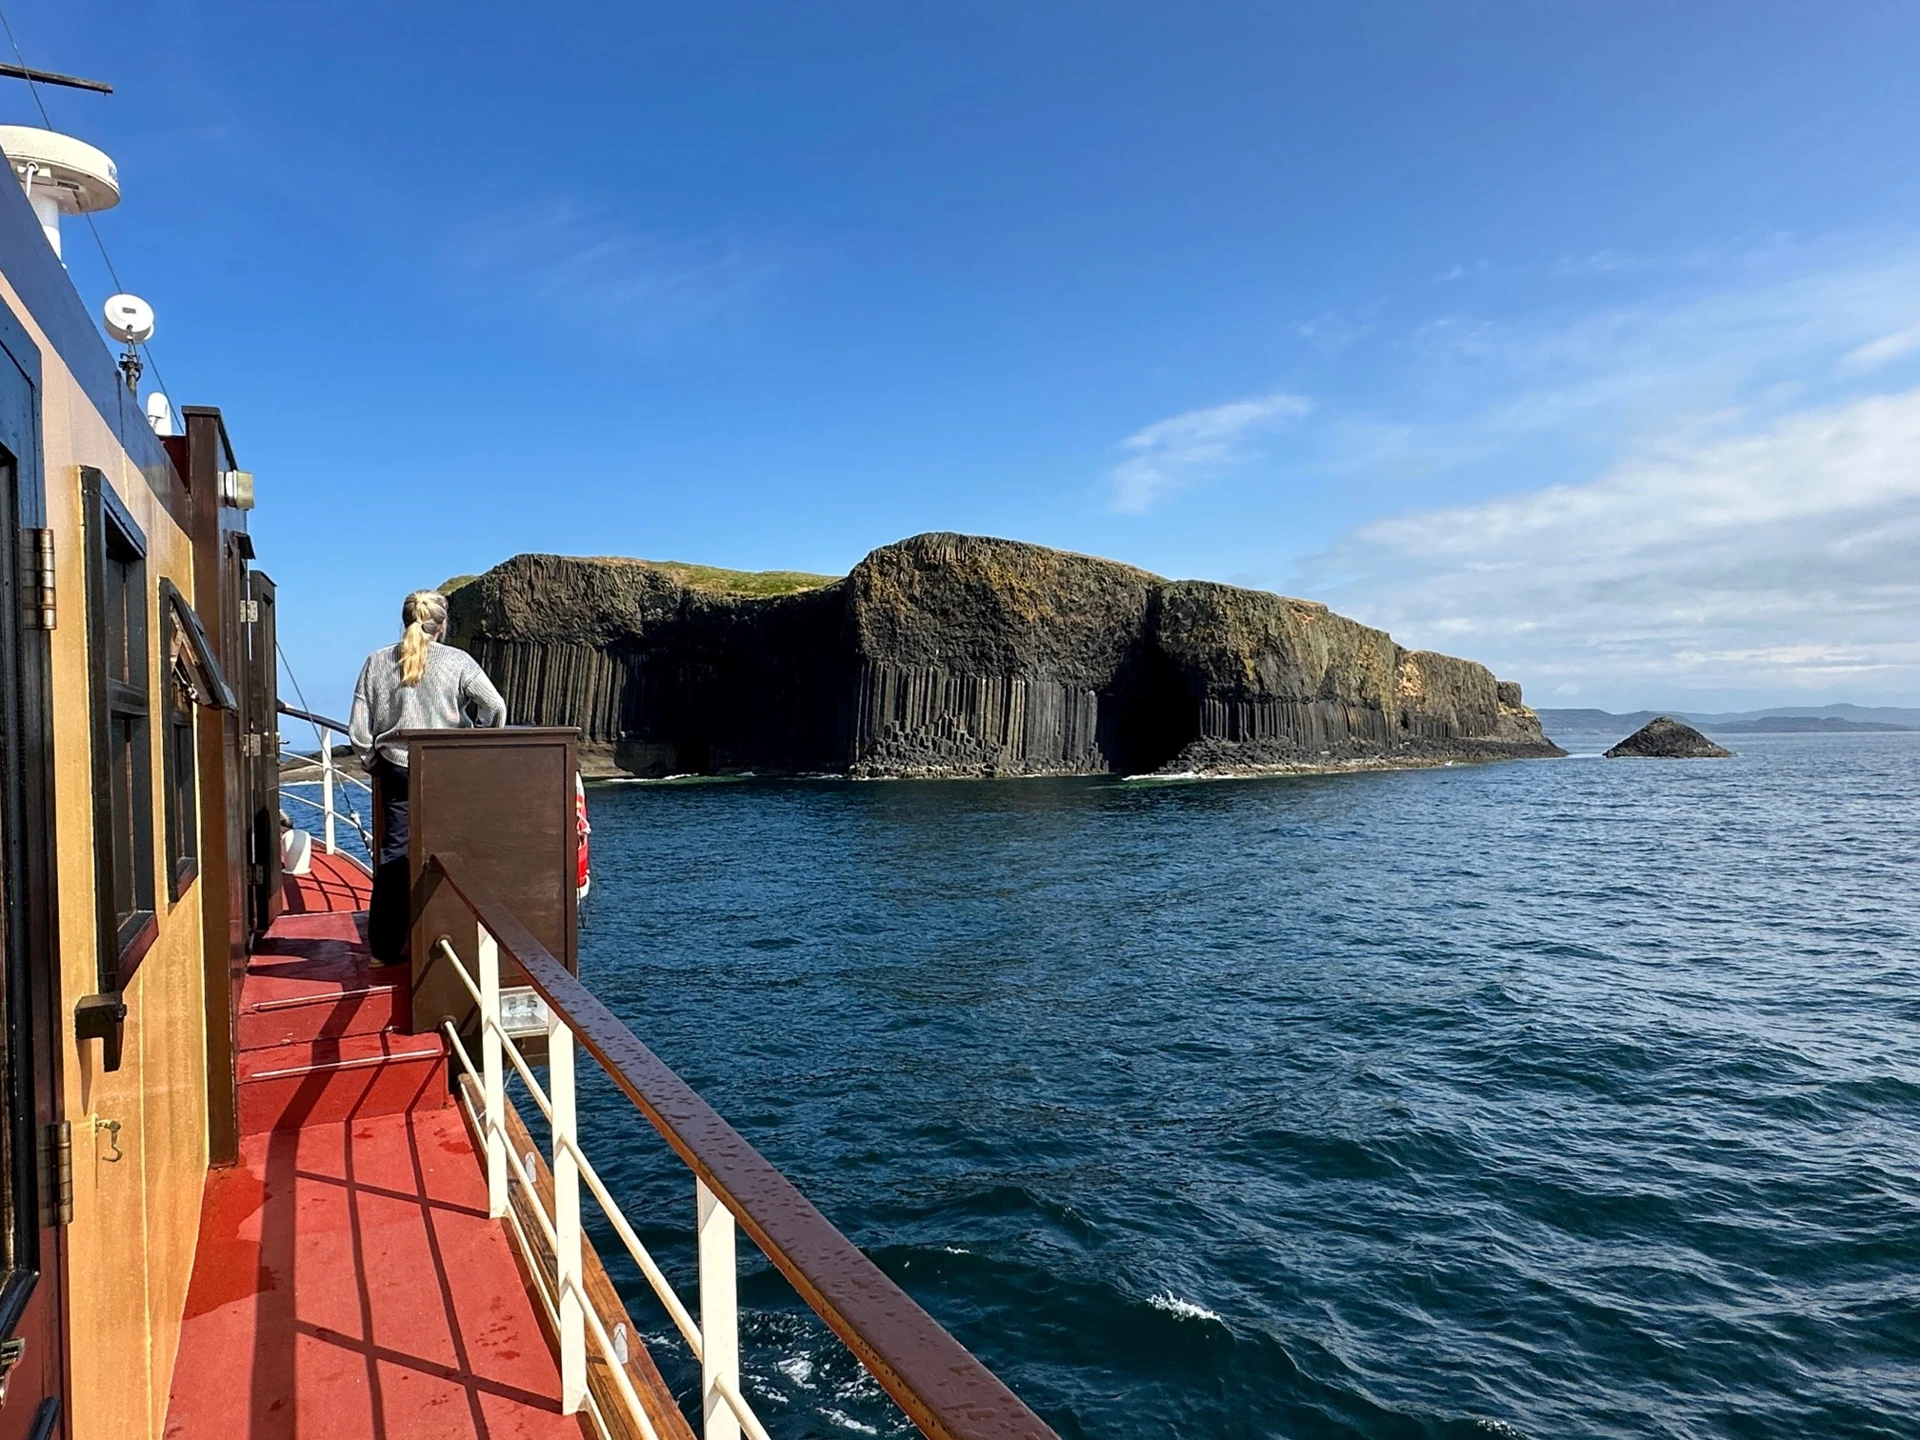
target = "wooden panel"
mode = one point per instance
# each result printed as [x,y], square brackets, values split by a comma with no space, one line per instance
[502,800]
[219,584]
[263,724]
[33,1301]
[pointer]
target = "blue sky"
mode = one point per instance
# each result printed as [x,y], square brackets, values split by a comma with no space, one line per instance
[1583,340]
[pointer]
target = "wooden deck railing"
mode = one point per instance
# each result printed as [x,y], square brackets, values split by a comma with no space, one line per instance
[939,1385]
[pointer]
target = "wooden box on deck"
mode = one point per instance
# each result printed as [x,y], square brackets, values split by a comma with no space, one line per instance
[503,802]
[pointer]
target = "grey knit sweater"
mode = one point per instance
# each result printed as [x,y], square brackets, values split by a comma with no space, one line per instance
[454,692]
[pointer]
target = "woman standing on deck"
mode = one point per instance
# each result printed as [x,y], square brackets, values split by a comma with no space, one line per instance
[418,684]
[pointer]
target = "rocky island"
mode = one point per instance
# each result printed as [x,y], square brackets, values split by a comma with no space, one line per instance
[1664,738]
[951,655]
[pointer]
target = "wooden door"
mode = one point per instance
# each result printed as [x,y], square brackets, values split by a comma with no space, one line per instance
[263,726]
[33,1198]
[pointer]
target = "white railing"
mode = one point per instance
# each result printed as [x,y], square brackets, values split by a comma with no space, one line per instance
[942,1388]
[330,812]
[715,1339]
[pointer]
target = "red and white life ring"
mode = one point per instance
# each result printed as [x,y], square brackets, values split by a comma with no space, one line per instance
[584,879]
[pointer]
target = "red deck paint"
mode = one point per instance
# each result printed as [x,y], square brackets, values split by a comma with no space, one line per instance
[323,1081]
[349,1284]
[309,979]
[322,1033]
[336,883]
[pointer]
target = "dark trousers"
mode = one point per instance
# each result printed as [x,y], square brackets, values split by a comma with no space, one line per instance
[389,912]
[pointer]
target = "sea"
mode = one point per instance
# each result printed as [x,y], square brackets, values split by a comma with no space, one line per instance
[1553,1098]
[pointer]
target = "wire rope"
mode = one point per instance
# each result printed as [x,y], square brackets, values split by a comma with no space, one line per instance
[146,349]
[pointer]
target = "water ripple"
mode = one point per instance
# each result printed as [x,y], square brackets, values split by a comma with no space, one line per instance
[1539,1100]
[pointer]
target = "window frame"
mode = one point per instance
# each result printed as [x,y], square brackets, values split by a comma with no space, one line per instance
[121,707]
[179,759]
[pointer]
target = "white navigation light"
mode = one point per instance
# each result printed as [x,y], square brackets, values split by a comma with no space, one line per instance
[61,175]
[129,319]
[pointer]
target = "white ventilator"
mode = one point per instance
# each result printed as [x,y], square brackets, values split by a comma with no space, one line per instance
[61,175]
[160,414]
[296,852]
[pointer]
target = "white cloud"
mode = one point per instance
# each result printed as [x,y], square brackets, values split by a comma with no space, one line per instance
[1883,351]
[587,268]
[1171,454]
[1782,560]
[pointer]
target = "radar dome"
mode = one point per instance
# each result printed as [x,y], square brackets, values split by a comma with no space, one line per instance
[61,175]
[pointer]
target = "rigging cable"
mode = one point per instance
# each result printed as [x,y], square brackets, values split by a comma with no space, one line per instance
[112,274]
[353,813]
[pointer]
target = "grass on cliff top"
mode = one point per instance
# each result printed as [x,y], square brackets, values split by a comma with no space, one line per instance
[704,577]
[737,582]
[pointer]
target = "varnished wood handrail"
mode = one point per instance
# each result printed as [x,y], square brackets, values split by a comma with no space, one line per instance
[931,1376]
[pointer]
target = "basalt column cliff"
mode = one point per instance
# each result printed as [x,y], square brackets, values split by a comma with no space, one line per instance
[955,655]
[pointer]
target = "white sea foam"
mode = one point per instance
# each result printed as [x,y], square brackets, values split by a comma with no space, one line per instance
[798,1369]
[846,1421]
[956,1250]
[1171,1303]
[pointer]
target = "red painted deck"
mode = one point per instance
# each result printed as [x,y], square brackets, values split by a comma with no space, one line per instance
[335,884]
[348,1282]
[321,1032]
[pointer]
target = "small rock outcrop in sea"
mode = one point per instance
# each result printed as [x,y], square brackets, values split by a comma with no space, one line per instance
[957,655]
[1664,738]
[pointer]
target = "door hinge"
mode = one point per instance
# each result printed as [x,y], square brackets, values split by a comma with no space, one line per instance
[36,578]
[250,745]
[256,874]
[56,1166]
[249,612]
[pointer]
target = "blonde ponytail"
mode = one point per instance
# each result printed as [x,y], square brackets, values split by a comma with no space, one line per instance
[425,615]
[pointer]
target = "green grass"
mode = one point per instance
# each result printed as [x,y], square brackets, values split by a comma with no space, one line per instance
[740,582]
[710,578]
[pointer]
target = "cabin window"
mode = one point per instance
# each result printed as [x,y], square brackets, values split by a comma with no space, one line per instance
[122,746]
[183,839]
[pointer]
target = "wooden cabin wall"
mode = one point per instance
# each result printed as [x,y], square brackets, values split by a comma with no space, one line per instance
[130,1246]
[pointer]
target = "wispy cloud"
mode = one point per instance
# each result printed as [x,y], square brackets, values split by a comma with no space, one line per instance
[585,267]
[1780,560]
[1172,454]
[1713,485]
[1884,351]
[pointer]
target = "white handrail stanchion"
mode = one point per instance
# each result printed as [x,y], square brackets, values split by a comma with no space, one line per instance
[719,1316]
[715,1339]
[326,780]
[492,1074]
[570,1286]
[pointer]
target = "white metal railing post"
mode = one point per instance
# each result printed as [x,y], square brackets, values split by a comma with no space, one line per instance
[719,1316]
[493,1078]
[570,1288]
[326,780]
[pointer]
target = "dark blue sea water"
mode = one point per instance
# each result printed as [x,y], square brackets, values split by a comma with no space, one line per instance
[1562,1098]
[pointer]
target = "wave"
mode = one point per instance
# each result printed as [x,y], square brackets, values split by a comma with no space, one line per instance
[1186,1309]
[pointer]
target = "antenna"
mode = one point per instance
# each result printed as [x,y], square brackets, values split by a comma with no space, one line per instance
[129,319]
[54,77]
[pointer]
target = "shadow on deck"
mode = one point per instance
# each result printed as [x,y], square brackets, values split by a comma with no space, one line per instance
[348,1281]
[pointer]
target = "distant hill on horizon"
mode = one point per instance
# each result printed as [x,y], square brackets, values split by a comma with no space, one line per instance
[1781,720]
